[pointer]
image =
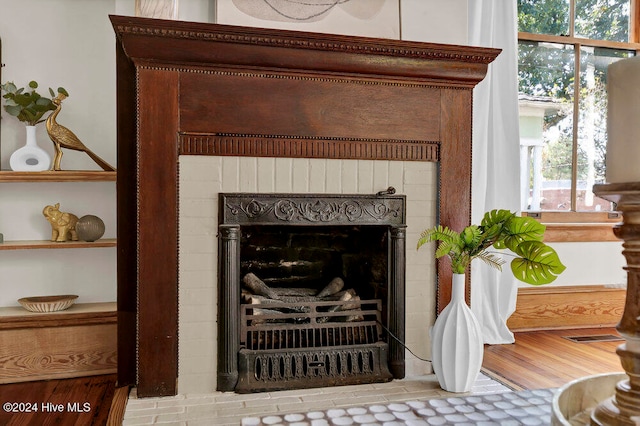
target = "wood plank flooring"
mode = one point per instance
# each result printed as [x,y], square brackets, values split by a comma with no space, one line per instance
[78,402]
[546,359]
[538,359]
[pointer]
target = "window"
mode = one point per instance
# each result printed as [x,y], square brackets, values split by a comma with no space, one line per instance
[565,47]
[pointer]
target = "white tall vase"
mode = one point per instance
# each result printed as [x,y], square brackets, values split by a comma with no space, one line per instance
[456,342]
[30,158]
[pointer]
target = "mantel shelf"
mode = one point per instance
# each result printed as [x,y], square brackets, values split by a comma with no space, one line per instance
[58,176]
[46,244]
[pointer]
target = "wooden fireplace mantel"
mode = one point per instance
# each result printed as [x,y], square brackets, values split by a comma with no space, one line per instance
[203,89]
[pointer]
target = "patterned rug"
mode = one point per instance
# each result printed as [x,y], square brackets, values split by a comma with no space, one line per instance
[528,407]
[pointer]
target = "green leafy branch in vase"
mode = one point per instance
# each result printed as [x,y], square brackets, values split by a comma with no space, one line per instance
[534,262]
[26,104]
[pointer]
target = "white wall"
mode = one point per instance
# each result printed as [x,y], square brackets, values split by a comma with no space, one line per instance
[434,21]
[590,264]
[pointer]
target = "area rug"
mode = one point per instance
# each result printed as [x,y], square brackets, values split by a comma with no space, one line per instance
[527,407]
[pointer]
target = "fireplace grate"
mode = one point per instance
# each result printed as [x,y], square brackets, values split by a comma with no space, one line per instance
[311,344]
[310,324]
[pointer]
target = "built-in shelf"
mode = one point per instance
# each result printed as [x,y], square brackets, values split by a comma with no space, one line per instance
[13,317]
[58,176]
[46,244]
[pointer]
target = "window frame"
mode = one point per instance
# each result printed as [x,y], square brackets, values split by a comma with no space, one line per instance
[574,226]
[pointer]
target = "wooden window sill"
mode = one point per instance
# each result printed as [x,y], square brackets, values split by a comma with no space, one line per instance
[578,227]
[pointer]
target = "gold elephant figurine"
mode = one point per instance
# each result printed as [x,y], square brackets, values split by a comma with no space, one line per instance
[63,225]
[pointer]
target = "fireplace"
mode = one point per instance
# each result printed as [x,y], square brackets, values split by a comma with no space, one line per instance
[190,91]
[324,286]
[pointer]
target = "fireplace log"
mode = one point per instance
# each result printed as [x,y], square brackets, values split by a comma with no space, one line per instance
[292,291]
[296,298]
[256,299]
[333,287]
[257,286]
[339,295]
[347,296]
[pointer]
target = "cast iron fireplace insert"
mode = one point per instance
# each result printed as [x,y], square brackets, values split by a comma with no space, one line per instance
[310,286]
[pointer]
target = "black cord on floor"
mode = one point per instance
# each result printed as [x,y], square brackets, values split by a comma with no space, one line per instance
[401,342]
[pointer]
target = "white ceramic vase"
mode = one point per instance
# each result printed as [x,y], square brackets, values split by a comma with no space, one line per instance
[456,342]
[30,158]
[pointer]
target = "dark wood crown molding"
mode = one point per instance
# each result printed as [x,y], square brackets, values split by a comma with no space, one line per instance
[463,65]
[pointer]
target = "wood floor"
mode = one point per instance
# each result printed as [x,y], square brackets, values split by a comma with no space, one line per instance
[546,359]
[538,359]
[83,401]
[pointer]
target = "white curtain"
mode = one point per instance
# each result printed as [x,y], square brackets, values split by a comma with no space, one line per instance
[496,153]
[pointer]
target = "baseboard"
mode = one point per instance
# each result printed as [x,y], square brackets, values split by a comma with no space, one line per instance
[540,308]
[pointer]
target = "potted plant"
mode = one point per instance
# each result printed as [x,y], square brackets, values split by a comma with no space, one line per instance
[28,106]
[456,338]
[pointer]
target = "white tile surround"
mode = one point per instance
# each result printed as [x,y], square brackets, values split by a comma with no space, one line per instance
[203,177]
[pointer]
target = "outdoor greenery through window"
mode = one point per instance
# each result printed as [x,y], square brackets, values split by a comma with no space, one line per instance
[565,47]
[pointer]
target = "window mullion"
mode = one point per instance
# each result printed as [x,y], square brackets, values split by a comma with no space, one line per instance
[634,21]
[572,18]
[574,138]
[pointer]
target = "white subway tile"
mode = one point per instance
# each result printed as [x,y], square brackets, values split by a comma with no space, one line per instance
[317,175]
[283,175]
[333,181]
[349,174]
[365,177]
[300,175]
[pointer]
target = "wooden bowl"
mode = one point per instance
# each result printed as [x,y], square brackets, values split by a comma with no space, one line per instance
[47,303]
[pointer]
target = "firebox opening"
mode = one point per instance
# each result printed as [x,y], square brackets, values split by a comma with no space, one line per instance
[313,302]
[310,257]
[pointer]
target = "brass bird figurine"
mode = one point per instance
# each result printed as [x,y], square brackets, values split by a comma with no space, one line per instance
[65,138]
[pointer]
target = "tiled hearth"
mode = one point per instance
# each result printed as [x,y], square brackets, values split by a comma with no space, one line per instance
[218,408]
[203,178]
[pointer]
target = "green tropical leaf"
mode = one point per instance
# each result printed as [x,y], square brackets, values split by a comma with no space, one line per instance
[520,229]
[438,233]
[538,265]
[445,249]
[535,262]
[471,236]
[493,231]
[495,217]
